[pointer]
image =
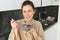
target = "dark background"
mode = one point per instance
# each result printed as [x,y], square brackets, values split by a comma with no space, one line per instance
[5,17]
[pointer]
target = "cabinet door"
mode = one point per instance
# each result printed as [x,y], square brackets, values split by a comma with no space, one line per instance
[49,2]
[46,2]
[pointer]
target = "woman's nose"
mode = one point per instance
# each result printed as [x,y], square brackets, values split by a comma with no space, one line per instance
[27,13]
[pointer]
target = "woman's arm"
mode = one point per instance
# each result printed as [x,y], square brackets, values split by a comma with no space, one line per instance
[11,35]
[14,30]
[40,32]
[16,35]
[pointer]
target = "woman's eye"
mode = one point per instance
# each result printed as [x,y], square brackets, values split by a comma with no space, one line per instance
[29,11]
[24,11]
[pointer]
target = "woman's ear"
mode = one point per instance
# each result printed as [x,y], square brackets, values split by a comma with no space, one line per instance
[34,11]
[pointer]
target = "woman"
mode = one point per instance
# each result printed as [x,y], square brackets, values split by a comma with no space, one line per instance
[34,29]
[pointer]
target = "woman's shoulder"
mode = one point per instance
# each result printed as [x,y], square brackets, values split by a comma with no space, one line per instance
[19,20]
[37,22]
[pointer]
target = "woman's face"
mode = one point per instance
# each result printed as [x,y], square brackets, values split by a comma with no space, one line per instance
[28,12]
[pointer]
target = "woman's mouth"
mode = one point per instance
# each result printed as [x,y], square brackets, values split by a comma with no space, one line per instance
[28,17]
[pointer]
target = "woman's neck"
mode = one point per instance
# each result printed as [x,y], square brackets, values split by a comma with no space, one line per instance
[28,20]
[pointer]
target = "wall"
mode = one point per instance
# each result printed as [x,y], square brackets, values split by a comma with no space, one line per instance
[58,29]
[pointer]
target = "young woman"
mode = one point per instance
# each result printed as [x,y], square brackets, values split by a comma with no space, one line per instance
[26,28]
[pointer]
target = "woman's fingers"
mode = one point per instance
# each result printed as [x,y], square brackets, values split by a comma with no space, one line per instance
[13,23]
[12,20]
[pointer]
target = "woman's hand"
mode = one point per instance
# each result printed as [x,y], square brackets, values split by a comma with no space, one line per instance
[13,24]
